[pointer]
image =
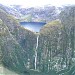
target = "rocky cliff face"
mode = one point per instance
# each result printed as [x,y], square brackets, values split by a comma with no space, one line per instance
[16,43]
[49,52]
[40,14]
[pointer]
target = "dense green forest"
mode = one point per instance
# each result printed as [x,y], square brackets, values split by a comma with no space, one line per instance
[49,52]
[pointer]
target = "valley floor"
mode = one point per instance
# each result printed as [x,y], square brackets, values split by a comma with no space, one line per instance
[4,71]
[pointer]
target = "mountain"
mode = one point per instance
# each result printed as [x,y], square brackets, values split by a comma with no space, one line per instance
[10,10]
[43,14]
[15,43]
[49,52]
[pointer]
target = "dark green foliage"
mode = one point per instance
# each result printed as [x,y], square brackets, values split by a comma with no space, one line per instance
[48,43]
[14,44]
[55,51]
[10,49]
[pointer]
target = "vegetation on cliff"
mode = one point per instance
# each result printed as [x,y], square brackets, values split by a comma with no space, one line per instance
[49,52]
[14,43]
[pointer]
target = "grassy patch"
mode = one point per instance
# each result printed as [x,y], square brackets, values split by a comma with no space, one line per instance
[5,71]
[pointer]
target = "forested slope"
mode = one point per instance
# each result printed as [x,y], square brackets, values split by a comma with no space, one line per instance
[14,43]
[53,47]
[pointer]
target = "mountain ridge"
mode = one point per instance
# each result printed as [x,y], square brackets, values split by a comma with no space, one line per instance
[39,14]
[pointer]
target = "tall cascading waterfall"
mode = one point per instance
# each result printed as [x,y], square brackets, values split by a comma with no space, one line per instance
[36,52]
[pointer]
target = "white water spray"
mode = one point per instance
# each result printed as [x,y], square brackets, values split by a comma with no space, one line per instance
[36,52]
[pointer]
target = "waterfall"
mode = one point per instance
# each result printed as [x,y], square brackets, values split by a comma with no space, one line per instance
[36,52]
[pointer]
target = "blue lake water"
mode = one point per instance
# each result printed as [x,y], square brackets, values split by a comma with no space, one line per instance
[33,26]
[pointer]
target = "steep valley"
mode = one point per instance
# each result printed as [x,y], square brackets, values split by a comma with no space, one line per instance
[51,51]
